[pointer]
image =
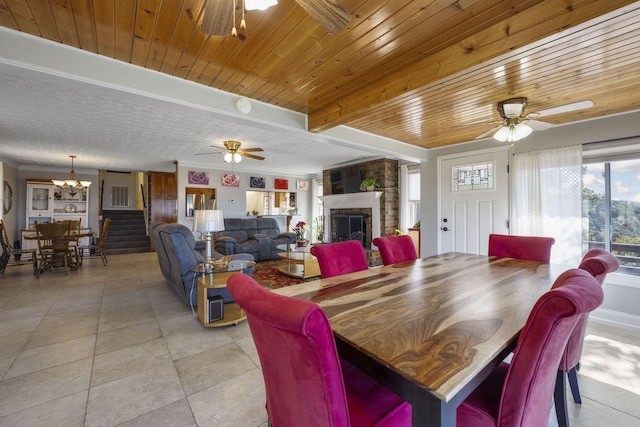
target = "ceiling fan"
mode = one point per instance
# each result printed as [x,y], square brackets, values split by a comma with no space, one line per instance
[233,153]
[515,125]
[219,15]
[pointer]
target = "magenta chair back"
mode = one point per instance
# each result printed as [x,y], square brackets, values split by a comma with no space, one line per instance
[303,375]
[598,263]
[531,248]
[394,249]
[520,393]
[339,258]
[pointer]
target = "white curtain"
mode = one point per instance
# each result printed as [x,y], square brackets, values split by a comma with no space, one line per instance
[548,199]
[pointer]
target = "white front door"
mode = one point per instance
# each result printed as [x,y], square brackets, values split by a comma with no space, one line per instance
[474,200]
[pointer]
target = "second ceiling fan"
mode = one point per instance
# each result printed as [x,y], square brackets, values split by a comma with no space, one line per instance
[220,15]
[233,153]
[515,125]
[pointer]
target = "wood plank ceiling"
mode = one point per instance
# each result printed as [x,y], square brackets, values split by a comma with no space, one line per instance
[425,72]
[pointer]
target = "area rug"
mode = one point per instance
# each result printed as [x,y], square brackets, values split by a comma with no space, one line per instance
[266,273]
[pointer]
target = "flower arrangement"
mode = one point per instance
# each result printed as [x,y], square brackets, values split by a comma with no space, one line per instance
[300,229]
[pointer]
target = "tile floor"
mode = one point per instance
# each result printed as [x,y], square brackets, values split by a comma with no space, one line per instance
[115,346]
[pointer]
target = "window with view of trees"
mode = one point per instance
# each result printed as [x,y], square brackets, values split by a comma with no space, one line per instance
[611,197]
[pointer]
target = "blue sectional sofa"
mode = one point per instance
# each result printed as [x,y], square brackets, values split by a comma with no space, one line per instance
[260,237]
[178,257]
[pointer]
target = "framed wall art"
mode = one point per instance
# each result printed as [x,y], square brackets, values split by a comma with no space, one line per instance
[197,177]
[230,180]
[302,185]
[281,184]
[257,182]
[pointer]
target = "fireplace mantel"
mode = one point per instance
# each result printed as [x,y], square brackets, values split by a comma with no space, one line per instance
[363,200]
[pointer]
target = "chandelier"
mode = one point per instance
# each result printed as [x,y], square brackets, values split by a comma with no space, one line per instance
[249,5]
[71,184]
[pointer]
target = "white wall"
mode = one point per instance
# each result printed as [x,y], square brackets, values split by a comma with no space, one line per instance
[232,200]
[619,291]
[9,174]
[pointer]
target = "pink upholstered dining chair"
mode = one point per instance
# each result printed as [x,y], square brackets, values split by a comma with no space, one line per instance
[394,249]
[339,258]
[598,263]
[306,383]
[520,393]
[521,247]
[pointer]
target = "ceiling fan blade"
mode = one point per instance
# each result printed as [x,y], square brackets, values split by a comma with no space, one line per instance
[246,150]
[253,156]
[538,125]
[488,133]
[218,17]
[565,108]
[330,14]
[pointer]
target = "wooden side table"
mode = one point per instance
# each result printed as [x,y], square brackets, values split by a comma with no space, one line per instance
[233,314]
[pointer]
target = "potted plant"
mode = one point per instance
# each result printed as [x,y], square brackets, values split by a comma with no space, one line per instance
[300,229]
[368,184]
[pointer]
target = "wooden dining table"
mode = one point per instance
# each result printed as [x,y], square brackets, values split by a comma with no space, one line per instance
[431,330]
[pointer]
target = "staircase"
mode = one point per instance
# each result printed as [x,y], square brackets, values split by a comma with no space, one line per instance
[127,234]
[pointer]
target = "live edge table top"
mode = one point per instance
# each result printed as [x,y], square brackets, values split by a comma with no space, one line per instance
[434,324]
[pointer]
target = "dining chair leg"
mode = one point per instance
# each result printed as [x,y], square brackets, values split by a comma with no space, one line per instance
[573,383]
[104,257]
[560,399]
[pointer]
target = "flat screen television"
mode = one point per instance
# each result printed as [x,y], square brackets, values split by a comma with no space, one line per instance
[346,180]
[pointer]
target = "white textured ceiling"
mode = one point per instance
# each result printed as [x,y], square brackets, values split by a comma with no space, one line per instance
[47,115]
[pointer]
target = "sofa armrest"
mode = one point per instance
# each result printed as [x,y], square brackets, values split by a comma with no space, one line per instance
[288,234]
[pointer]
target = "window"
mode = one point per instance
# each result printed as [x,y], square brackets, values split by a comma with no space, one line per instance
[611,210]
[119,196]
[413,197]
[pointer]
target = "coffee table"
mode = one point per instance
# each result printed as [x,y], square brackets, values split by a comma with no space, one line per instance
[300,263]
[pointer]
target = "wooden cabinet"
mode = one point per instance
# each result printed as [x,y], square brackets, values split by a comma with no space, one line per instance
[48,203]
[415,236]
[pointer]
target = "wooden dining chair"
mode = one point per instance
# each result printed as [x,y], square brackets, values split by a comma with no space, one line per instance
[598,263]
[98,247]
[9,251]
[394,249]
[306,383]
[531,248]
[339,258]
[53,246]
[521,393]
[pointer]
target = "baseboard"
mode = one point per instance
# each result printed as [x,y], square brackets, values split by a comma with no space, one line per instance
[621,318]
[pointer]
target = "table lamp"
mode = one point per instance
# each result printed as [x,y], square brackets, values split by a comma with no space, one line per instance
[206,222]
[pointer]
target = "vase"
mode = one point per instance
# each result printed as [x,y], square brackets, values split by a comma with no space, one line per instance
[302,243]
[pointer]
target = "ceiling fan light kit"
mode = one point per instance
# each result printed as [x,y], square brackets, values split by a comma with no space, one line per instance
[511,111]
[512,132]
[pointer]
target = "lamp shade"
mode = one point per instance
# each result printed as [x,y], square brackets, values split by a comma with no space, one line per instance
[512,132]
[208,221]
